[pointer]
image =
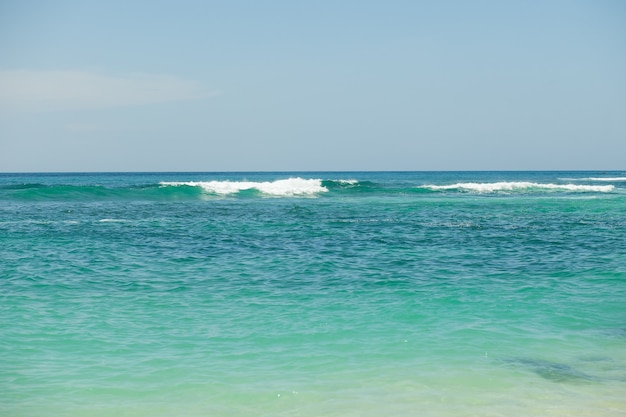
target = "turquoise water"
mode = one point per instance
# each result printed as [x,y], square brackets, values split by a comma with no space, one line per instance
[313,294]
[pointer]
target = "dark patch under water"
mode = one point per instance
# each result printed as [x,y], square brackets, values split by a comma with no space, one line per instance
[553,371]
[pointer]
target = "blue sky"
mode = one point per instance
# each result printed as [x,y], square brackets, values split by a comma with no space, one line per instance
[323,85]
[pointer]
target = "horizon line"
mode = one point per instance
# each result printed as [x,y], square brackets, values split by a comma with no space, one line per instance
[303,171]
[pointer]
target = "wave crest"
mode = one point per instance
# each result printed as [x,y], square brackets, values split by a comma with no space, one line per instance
[605,179]
[287,187]
[518,186]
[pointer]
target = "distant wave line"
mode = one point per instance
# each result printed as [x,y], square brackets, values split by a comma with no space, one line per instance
[606,179]
[518,186]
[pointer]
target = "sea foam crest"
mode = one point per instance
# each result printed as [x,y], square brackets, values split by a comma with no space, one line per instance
[286,187]
[519,186]
[606,179]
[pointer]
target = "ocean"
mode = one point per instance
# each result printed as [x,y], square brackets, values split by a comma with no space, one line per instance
[313,294]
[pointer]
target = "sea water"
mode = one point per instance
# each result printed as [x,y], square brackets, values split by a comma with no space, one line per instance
[313,294]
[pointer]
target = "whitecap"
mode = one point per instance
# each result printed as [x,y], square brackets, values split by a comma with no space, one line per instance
[519,186]
[286,187]
[606,179]
[348,182]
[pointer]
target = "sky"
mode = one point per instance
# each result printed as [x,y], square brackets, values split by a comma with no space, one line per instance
[312,85]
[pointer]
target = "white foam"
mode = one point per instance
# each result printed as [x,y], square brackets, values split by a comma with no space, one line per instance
[287,187]
[348,182]
[608,179]
[519,186]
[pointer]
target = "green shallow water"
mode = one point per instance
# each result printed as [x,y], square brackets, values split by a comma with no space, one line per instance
[122,295]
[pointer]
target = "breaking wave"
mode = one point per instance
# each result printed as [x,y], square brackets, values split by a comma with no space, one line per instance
[288,187]
[296,187]
[603,179]
[494,187]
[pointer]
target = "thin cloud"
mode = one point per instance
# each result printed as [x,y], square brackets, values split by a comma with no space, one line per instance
[70,89]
